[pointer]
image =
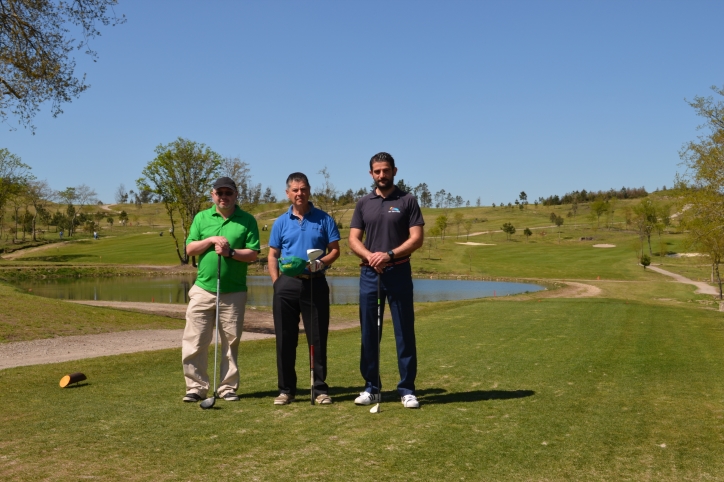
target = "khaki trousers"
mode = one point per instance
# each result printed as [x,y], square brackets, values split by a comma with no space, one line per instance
[198,335]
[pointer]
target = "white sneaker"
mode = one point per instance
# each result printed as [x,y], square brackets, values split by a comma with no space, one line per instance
[367,398]
[410,401]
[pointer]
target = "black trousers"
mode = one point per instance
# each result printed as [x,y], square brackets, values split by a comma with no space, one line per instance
[292,298]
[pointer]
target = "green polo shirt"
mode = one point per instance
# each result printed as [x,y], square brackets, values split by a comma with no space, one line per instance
[242,232]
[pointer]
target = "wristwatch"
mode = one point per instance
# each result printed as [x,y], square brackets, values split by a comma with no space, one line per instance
[231,253]
[391,254]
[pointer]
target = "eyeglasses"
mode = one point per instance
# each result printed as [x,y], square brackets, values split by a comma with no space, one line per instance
[224,193]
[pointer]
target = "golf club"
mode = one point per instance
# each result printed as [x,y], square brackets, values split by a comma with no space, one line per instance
[312,254]
[209,402]
[377,408]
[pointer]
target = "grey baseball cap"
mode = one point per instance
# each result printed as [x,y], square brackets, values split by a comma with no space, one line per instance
[225,182]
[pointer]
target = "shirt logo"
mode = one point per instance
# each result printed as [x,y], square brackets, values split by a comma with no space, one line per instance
[394,210]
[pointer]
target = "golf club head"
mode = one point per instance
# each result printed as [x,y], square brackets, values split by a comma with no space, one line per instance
[313,254]
[208,403]
[376,409]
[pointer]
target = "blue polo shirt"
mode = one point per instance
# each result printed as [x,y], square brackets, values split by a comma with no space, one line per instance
[293,237]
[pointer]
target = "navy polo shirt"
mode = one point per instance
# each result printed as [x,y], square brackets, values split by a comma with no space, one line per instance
[293,236]
[386,221]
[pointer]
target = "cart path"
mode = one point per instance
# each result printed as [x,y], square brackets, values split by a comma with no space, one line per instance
[703,288]
[258,325]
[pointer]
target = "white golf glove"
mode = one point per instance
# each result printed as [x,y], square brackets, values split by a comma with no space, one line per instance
[316,265]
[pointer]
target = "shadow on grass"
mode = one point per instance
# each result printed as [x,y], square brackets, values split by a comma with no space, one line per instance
[472,396]
[62,258]
[428,395]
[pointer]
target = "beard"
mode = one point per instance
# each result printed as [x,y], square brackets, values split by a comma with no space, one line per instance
[383,184]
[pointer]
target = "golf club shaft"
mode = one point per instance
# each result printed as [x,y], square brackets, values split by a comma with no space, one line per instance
[311,344]
[218,294]
[379,336]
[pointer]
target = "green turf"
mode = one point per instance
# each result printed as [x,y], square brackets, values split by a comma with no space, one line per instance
[596,389]
[26,317]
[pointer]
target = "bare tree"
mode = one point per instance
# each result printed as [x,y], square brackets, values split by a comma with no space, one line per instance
[326,198]
[85,196]
[121,195]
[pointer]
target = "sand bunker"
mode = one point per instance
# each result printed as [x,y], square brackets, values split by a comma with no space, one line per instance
[604,245]
[470,243]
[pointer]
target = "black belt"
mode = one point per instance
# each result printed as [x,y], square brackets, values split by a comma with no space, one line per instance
[310,276]
[392,263]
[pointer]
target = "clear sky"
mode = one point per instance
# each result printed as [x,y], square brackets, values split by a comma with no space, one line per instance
[480,98]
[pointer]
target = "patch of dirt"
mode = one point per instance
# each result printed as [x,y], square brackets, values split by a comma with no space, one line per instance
[23,252]
[257,325]
[604,245]
[570,289]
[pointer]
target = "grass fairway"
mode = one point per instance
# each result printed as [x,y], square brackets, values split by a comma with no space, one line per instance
[593,389]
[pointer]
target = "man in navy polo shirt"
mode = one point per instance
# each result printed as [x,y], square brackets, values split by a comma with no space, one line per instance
[301,228]
[391,223]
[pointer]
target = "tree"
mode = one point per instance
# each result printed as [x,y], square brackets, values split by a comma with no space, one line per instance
[559,222]
[121,195]
[523,197]
[422,193]
[702,186]
[181,175]
[645,219]
[37,40]
[645,260]
[123,218]
[326,198]
[457,221]
[508,229]
[14,178]
[440,198]
[441,224]
[527,233]
[109,220]
[433,233]
[268,196]
[85,196]
[404,187]
[598,208]
[39,194]
[477,202]
[468,225]
[71,220]
[68,196]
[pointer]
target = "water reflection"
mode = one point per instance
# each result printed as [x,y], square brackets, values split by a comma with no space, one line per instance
[175,289]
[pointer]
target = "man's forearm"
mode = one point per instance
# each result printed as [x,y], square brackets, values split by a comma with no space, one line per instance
[245,255]
[358,248]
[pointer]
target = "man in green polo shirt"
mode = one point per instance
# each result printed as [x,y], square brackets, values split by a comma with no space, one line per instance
[227,231]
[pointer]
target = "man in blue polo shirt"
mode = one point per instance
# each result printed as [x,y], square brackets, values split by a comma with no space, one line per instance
[391,224]
[301,228]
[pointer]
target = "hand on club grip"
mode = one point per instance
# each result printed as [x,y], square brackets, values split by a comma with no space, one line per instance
[316,265]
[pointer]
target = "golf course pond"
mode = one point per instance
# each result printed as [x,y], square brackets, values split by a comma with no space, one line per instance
[343,290]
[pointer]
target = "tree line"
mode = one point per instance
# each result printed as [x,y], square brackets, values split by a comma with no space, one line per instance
[583,196]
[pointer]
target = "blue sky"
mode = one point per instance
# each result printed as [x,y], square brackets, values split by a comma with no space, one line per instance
[480,98]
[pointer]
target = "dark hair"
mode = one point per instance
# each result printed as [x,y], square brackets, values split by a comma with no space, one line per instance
[382,157]
[298,177]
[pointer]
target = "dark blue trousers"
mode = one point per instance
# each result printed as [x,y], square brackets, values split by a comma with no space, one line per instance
[396,289]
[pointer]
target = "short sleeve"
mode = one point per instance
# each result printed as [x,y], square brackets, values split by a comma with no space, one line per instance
[415,214]
[194,233]
[357,218]
[332,231]
[252,235]
[275,237]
